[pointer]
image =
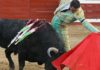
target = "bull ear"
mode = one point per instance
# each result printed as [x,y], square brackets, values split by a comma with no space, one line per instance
[52,49]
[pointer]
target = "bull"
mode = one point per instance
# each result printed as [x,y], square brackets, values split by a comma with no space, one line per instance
[42,46]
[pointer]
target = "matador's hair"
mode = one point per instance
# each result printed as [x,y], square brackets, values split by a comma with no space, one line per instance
[75,4]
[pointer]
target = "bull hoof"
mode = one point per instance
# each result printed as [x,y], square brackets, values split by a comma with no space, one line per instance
[11,69]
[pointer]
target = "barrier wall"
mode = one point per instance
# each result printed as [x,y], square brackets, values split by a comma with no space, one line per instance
[24,9]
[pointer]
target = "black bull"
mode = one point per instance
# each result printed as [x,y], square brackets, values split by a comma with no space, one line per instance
[34,47]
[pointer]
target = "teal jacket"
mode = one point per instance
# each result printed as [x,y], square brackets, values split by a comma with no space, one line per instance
[68,17]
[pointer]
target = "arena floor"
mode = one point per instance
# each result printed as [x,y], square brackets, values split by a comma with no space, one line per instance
[76,33]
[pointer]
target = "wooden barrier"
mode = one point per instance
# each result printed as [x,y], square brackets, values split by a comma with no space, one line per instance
[24,9]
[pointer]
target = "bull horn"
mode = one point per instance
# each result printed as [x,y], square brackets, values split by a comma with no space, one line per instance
[52,49]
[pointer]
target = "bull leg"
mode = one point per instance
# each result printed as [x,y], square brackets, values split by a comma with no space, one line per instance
[21,61]
[8,56]
[48,66]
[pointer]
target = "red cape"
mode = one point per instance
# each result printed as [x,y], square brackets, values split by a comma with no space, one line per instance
[84,56]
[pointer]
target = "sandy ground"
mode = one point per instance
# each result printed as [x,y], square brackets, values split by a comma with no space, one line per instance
[76,33]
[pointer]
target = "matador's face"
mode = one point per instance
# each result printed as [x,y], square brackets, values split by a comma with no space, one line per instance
[73,9]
